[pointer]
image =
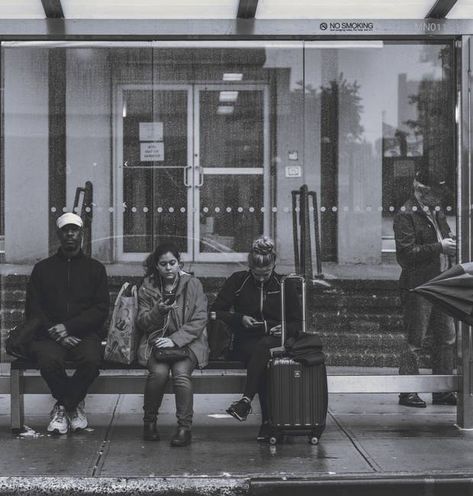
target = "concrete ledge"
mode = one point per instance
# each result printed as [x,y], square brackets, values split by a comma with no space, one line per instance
[82,486]
[422,485]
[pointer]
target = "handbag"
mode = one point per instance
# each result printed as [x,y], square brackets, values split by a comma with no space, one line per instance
[122,338]
[20,336]
[171,355]
[167,355]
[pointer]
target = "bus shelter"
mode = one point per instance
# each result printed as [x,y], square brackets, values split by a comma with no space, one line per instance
[195,121]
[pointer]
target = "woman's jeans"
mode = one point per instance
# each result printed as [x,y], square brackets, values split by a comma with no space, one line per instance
[182,383]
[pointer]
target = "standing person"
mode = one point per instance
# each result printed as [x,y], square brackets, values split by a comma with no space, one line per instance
[68,292]
[174,303]
[424,247]
[250,303]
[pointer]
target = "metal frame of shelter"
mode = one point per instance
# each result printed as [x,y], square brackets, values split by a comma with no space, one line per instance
[246,27]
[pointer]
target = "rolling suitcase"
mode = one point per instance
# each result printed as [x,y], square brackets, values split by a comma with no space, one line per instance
[298,396]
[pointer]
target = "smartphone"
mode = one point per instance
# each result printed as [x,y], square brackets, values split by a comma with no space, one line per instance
[169,298]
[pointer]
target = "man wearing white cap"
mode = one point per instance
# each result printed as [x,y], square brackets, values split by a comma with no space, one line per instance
[69,293]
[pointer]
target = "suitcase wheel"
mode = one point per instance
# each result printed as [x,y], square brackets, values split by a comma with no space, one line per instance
[314,440]
[275,439]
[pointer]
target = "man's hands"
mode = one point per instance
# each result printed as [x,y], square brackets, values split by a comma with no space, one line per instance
[60,335]
[449,246]
[249,322]
[70,342]
[57,332]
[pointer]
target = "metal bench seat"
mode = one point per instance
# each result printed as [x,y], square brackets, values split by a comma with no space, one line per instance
[219,377]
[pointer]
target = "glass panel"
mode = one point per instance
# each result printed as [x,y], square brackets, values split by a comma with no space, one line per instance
[343,9]
[231,128]
[150,9]
[232,212]
[352,122]
[461,10]
[155,155]
[369,143]
[231,137]
[21,9]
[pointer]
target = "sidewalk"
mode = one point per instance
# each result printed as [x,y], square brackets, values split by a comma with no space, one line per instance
[370,441]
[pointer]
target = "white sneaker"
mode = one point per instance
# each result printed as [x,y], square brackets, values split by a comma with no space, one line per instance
[77,418]
[59,423]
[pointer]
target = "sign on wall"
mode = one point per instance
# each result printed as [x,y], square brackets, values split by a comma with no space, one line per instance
[152,151]
[151,131]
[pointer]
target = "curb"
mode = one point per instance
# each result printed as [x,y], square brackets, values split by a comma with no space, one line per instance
[411,485]
[156,486]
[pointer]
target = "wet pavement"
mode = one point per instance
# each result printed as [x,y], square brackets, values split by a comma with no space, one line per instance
[370,442]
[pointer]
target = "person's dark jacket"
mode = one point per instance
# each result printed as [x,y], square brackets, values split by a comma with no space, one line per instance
[69,291]
[243,295]
[417,247]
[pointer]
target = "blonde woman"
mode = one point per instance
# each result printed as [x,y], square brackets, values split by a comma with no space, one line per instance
[250,303]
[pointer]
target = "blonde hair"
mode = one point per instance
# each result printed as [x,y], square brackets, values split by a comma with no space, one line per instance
[262,253]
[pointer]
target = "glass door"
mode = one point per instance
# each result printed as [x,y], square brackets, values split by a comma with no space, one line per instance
[191,169]
[231,183]
[154,157]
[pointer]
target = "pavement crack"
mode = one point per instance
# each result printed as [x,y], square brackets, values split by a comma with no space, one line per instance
[105,442]
[368,459]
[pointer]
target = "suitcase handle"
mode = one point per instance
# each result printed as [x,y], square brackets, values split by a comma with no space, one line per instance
[281,348]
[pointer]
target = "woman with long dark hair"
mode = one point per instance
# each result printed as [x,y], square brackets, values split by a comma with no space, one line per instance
[250,303]
[172,314]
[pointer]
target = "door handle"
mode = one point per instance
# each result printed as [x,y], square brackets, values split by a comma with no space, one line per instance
[186,182]
[201,178]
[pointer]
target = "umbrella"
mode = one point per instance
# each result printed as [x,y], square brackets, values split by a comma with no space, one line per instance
[452,291]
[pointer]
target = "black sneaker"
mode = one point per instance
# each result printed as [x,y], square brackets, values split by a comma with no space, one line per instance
[264,432]
[411,399]
[240,409]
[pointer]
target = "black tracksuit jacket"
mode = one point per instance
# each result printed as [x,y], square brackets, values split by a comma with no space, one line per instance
[243,295]
[69,291]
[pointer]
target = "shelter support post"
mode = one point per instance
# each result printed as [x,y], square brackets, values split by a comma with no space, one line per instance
[464,223]
[465,383]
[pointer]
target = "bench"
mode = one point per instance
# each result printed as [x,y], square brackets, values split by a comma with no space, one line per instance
[219,377]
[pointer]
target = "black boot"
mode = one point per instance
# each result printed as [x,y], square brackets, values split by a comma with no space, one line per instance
[150,431]
[183,437]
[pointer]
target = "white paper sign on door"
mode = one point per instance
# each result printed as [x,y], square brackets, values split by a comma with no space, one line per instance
[151,131]
[152,152]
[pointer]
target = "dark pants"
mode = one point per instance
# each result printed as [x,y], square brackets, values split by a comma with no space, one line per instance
[254,352]
[422,319]
[182,383]
[51,358]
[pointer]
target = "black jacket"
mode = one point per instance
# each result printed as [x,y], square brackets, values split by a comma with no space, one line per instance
[69,291]
[242,295]
[417,247]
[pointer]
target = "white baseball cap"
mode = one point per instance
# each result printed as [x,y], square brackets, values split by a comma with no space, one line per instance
[69,218]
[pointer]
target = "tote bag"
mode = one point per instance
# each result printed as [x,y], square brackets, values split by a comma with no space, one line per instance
[122,338]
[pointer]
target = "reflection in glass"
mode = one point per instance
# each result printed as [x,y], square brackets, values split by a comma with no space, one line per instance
[155,155]
[231,216]
[373,117]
